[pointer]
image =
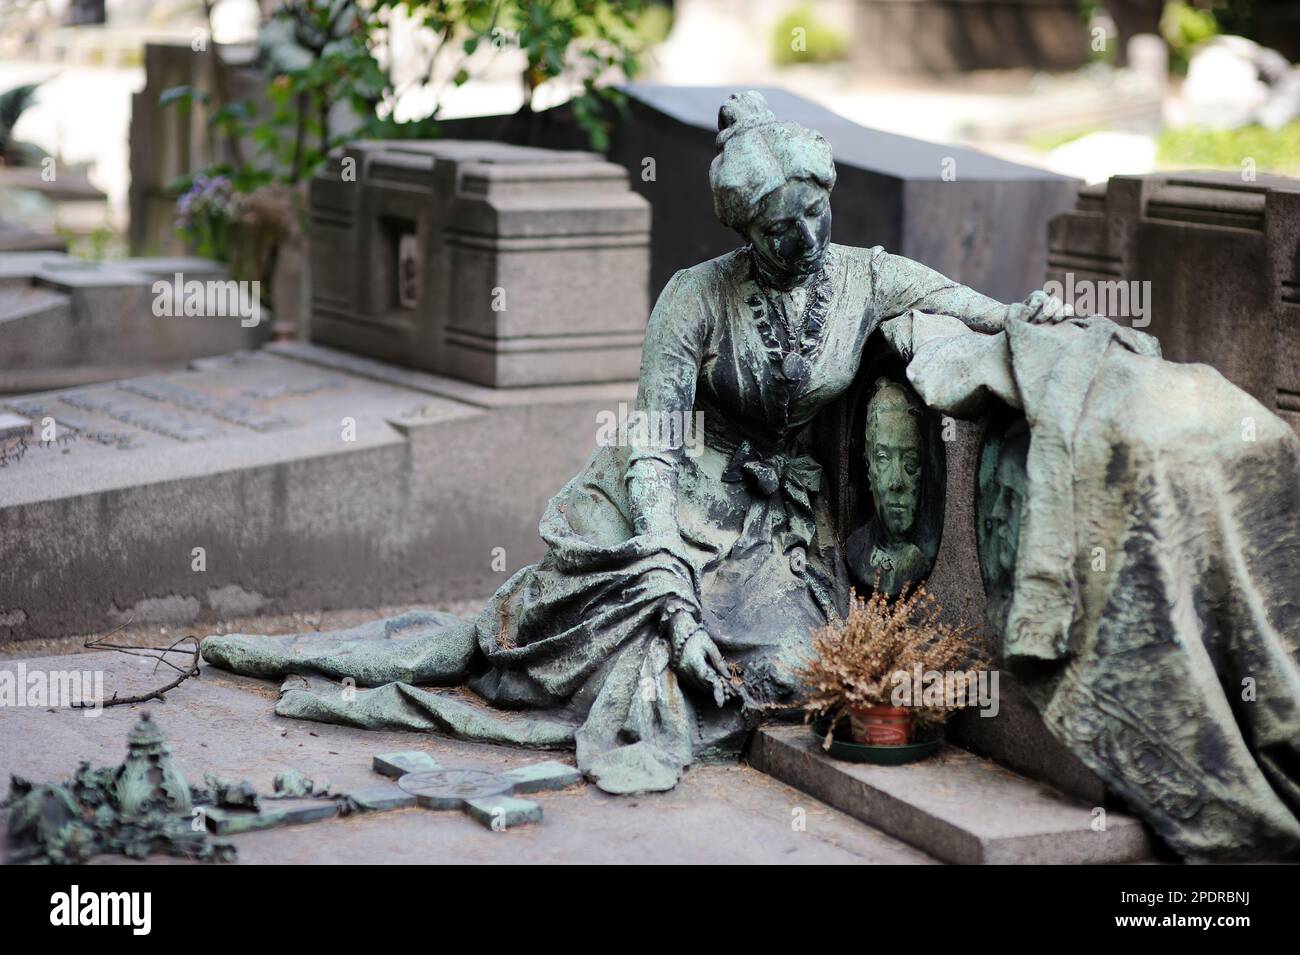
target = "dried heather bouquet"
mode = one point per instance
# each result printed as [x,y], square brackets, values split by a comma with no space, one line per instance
[855,661]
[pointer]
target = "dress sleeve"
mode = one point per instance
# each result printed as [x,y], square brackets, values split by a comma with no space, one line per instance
[899,285]
[670,366]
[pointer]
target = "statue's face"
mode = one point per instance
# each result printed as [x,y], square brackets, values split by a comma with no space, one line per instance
[894,468]
[1003,523]
[792,229]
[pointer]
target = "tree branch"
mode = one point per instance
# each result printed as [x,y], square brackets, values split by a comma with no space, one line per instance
[159,654]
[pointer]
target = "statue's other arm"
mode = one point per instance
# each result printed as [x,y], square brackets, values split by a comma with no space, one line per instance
[670,365]
[899,285]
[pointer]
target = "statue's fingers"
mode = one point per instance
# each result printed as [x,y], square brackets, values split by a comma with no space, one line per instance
[719,692]
[1056,310]
[715,657]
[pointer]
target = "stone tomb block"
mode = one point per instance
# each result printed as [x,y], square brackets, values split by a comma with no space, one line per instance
[938,37]
[147,469]
[983,229]
[66,321]
[1215,260]
[496,264]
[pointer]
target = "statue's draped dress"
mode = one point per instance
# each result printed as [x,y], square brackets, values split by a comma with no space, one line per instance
[728,526]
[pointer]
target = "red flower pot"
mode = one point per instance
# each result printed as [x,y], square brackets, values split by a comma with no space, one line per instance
[881,725]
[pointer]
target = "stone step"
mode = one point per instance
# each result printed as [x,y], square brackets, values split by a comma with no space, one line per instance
[956,806]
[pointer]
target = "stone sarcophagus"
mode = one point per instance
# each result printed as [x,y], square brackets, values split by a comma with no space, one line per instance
[1205,262]
[501,265]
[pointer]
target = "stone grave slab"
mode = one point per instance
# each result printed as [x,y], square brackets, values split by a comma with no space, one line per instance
[14,426]
[307,478]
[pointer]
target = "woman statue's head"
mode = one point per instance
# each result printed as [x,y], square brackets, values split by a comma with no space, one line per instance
[772,184]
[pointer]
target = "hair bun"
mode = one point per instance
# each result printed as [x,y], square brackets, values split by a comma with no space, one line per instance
[742,111]
[757,153]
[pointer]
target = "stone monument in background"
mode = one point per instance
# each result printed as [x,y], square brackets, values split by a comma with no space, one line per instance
[976,218]
[66,321]
[1206,262]
[936,37]
[168,142]
[501,265]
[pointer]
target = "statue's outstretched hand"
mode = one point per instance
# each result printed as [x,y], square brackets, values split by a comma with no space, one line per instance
[701,665]
[1043,309]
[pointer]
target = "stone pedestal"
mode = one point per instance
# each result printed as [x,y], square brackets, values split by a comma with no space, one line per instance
[955,806]
[501,265]
[1222,259]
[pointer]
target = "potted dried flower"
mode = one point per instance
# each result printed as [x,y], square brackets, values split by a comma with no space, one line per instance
[893,671]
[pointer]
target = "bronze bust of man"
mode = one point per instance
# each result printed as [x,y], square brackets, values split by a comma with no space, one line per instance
[883,554]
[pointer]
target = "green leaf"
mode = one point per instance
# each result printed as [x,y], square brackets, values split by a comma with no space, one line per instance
[182,96]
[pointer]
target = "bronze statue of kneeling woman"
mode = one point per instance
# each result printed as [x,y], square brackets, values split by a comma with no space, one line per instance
[680,584]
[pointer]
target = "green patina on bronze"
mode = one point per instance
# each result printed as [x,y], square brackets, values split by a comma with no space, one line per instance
[885,553]
[1002,488]
[1141,552]
[140,808]
[145,807]
[680,583]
